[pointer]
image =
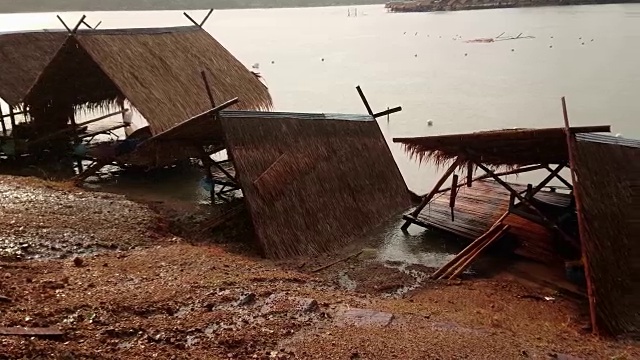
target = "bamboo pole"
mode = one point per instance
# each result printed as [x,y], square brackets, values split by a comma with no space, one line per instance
[553,174]
[473,256]
[562,180]
[452,195]
[582,226]
[469,248]
[12,115]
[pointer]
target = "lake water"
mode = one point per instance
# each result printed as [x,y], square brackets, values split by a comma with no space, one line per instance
[590,54]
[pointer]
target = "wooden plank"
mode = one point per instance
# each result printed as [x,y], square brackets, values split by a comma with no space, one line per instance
[22,331]
[504,173]
[473,256]
[581,221]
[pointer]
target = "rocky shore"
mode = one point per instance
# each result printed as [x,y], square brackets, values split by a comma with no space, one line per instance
[120,282]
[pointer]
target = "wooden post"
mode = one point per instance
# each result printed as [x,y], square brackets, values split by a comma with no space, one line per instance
[452,195]
[364,100]
[12,115]
[4,126]
[433,192]
[529,191]
[469,174]
[582,228]
[207,163]
[206,18]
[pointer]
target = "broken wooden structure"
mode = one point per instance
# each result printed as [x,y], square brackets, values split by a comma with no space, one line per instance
[590,219]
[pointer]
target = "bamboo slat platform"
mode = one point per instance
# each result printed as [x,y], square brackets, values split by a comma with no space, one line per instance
[477,208]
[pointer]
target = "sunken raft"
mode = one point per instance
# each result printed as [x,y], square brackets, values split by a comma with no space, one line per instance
[603,201]
[312,182]
[159,71]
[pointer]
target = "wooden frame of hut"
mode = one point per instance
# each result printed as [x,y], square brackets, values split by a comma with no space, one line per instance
[603,188]
[159,71]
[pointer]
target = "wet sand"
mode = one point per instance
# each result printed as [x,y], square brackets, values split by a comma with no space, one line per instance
[159,291]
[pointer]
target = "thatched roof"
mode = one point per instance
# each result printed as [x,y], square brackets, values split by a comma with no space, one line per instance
[608,186]
[514,147]
[312,181]
[157,70]
[23,56]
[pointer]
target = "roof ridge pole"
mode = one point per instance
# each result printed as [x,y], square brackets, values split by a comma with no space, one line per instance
[63,23]
[582,226]
[98,24]
[75,29]
[191,19]
[206,17]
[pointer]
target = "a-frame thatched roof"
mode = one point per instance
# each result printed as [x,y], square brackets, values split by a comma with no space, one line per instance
[312,182]
[23,56]
[157,70]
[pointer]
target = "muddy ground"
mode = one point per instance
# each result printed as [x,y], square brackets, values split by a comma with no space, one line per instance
[130,280]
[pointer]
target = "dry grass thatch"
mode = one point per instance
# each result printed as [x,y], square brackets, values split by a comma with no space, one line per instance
[511,148]
[609,190]
[312,182]
[23,56]
[157,70]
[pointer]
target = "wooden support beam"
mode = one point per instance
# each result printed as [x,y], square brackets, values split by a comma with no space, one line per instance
[191,19]
[364,100]
[387,112]
[504,173]
[433,192]
[469,174]
[562,180]
[474,255]
[552,174]
[224,171]
[75,29]
[63,23]
[582,225]
[98,24]
[206,18]
[548,222]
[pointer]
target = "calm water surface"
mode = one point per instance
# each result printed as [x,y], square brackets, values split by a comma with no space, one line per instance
[590,54]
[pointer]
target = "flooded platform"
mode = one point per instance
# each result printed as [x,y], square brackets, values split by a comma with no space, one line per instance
[478,207]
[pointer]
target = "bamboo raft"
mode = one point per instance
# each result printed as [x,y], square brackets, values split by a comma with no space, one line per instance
[479,207]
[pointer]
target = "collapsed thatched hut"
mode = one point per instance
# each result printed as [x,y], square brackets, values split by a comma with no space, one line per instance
[603,200]
[159,71]
[312,182]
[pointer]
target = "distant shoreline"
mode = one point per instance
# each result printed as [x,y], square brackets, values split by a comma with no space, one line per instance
[459,5]
[37,6]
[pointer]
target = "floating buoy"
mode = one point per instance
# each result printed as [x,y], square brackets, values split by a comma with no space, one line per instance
[618,135]
[582,43]
[579,38]
[416,55]
[430,122]
[273,62]
[550,46]
[552,37]
[416,34]
[405,33]
[513,49]
[465,54]
[591,40]
[322,59]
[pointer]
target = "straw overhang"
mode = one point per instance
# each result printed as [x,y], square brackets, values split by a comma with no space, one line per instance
[510,148]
